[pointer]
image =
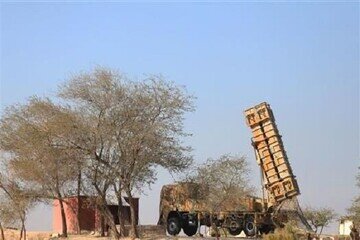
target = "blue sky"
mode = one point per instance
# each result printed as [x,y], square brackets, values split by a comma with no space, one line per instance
[302,58]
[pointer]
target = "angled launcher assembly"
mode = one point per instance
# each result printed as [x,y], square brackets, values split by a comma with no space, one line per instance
[182,207]
[279,182]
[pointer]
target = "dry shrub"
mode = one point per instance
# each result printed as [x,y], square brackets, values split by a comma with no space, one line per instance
[280,234]
[289,232]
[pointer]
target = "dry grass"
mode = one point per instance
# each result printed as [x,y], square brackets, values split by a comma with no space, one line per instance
[15,235]
[280,235]
[289,232]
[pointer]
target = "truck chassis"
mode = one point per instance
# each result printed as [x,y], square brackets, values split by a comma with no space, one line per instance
[235,222]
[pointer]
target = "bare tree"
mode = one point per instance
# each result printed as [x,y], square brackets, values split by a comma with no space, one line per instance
[107,140]
[91,96]
[8,214]
[132,127]
[224,181]
[150,136]
[319,217]
[15,203]
[31,134]
[354,210]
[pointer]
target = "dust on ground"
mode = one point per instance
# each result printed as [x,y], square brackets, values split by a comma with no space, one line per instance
[32,235]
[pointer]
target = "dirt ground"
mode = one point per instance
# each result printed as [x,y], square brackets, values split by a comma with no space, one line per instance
[14,235]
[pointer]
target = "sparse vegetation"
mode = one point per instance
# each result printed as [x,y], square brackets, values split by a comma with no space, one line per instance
[128,128]
[319,218]
[289,232]
[31,141]
[223,181]
[15,202]
[105,137]
[354,210]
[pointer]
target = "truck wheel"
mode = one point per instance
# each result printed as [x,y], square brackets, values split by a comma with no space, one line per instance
[173,226]
[235,232]
[265,229]
[190,230]
[234,228]
[249,227]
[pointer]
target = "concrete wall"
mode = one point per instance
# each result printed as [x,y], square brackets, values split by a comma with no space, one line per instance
[89,215]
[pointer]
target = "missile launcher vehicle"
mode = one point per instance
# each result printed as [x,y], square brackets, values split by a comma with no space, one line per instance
[183,205]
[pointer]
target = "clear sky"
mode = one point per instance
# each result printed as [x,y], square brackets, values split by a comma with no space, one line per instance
[302,58]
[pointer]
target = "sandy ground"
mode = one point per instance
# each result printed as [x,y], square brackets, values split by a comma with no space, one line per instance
[14,235]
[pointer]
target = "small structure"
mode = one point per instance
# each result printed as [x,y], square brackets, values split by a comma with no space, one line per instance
[89,217]
[345,226]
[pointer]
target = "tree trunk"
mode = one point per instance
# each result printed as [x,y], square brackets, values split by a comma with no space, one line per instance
[102,225]
[24,229]
[111,223]
[78,202]
[2,232]
[63,218]
[61,202]
[21,232]
[120,216]
[105,211]
[133,233]
[118,193]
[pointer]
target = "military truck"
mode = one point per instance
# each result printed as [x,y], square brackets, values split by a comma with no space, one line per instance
[183,205]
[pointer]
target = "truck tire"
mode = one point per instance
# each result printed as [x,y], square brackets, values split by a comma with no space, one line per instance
[234,228]
[173,226]
[190,230]
[235,232]
[249,227]
[266,229]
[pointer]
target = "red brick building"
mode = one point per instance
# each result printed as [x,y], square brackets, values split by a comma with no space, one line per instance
[89,215]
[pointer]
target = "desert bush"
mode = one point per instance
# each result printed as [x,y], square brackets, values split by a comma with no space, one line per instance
[288,232]
[280,234]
